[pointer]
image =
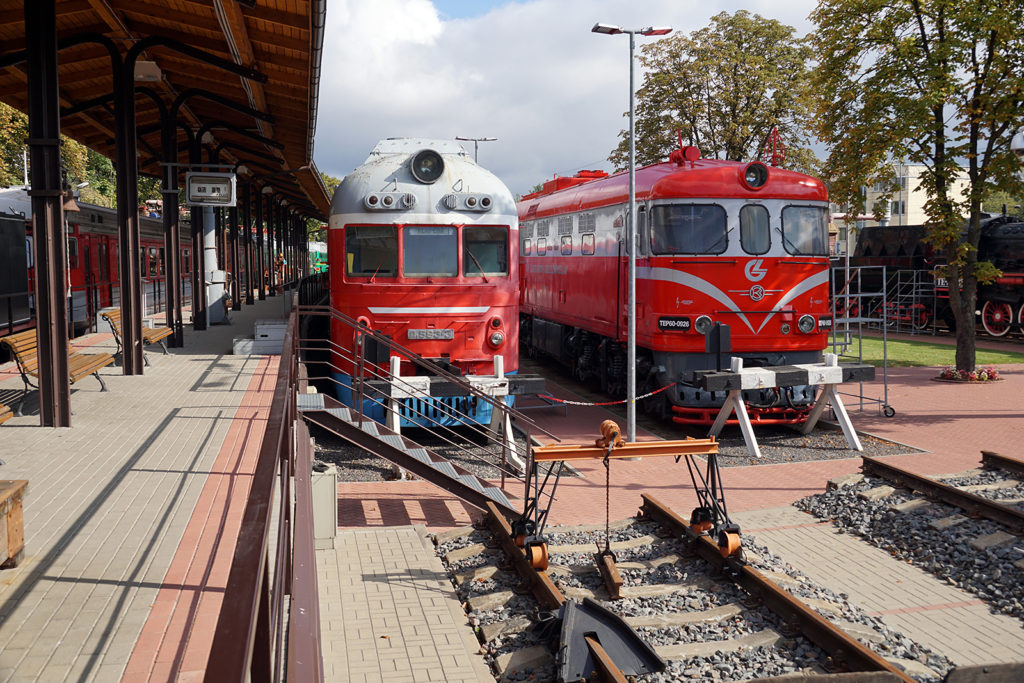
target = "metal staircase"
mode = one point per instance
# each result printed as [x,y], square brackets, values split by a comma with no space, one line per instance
[375,438]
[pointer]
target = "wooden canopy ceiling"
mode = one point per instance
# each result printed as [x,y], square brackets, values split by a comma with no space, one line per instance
[281,39]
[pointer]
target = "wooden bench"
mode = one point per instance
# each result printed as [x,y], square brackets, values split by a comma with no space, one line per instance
[12,522]
[5,413]
[150,335]
[25,349]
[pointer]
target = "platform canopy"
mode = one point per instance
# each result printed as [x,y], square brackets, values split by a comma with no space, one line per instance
[281,39]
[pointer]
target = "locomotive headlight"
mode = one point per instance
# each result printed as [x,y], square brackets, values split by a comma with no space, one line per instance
[806,324]
[785,328]
[703,324]
[755,175]
[497,339]
[427,166]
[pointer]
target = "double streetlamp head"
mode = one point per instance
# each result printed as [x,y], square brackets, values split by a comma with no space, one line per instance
[614,30]
[611,30]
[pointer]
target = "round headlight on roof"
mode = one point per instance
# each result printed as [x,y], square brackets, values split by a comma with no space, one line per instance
[427,166]
[755,175]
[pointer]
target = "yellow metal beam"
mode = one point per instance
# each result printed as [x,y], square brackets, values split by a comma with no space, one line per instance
[689,446]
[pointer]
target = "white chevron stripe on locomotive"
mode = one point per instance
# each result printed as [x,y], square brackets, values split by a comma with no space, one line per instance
[705,287]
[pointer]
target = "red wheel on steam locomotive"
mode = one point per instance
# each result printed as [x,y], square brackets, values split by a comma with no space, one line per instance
[997,318]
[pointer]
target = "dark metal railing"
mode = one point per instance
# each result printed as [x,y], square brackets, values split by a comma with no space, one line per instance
[249,643]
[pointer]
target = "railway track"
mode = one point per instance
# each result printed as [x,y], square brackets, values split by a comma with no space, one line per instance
[965,528]
[708,617]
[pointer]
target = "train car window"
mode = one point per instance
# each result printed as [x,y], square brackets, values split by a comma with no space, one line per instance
[154,266]
[104,262]
[688,229]
[566,245]
[527,247]
[163,268]
[805,230]
[430,251]
[484,250]
[72,252]
[755,232]
[371,250]
[587,244]
[143,268]
[28,252]
[186,262]
[542,247]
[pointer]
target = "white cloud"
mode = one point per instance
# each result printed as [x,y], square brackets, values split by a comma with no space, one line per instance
[529,73]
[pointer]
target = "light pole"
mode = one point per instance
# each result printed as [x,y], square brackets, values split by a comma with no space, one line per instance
[608,29]
[476,142]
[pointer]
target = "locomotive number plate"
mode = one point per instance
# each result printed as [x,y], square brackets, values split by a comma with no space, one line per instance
[445,333]
[824,323]
[674,324]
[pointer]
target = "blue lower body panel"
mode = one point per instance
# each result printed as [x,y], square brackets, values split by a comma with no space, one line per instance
[448,411]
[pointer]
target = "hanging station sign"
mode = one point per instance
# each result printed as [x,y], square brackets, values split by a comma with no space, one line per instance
[210,189]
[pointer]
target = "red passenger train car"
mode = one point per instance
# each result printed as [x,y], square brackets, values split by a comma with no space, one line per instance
[742,244]
[92,249]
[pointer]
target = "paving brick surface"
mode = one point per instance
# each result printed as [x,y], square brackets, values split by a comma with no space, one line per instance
[389,613]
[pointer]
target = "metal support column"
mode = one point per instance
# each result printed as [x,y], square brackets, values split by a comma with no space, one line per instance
[198,259]
[236,270]
[246,195]
[172,232]
[47,213]
[261,262]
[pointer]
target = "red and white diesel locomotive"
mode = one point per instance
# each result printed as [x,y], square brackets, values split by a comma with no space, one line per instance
[742,244]
[423,242]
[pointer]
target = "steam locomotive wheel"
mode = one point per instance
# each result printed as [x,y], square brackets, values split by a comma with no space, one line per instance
[996,318]
[922,317]
[1020,318]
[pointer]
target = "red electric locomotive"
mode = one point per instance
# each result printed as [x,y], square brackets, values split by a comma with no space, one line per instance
[741,244]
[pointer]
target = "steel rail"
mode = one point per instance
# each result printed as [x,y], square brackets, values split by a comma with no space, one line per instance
[1002,462]
[845,651]
[970,502]
[539,583]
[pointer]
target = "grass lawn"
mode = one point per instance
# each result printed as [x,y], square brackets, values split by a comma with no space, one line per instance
[921,353]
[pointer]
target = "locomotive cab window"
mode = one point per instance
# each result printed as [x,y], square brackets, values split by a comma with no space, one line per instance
[755,233]
[430,251]
[805,230]
[688,229]
[484,250]
[371,250]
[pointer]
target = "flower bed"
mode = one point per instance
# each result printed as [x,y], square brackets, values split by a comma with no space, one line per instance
[985,374]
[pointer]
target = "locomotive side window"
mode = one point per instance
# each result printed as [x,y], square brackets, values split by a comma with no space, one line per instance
[566,245]
[587,244]
[688,229]
[542,247]
[527,247]
[430,251]
[755,233]
[371,250]
[805,230]
[484,250]
[72,252]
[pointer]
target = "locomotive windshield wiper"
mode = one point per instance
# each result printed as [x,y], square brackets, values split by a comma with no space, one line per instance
[477,264]
[720,240]
[793,248]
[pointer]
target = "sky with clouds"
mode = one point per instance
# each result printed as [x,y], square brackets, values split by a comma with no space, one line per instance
[529,73]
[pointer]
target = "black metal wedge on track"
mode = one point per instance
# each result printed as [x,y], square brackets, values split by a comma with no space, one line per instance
[374,437]
[974,504]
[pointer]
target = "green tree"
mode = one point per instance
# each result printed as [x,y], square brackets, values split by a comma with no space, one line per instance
[932,82]
[330,182]
[725,87]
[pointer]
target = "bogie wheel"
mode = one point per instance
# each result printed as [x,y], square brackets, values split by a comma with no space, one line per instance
[537,556]
[996,318]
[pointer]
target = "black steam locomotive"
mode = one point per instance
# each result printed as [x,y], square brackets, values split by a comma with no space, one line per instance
[907,290]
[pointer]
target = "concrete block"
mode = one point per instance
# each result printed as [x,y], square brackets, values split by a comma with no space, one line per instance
[243,346]
[989,540]
[325,507]
[946,522]
[845,481]
[877,493]
[911,505]
[529,658]
[489,601]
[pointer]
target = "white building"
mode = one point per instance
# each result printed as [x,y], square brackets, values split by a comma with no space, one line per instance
[906,205]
